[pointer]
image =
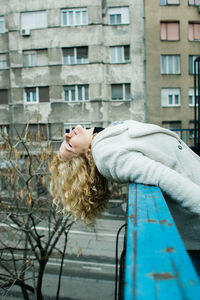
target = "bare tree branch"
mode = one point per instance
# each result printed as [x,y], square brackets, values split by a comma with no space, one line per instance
[26,209]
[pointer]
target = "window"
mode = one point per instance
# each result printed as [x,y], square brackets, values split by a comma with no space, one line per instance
[192,127]
[169,2]
[2,25]
[36,94]
[76,93]
[174,126]
[191,64]
[171,124]
[4,130]
[170,64]
[191,96]
[74,17]
[194,2]
[43,94]
[169,31]
[38,132]
[41,57]
[3,96]
[29,59]
[78,55]
[3,61]
[118,15]
[121,91]
[119,54]
[34,19]
[36,58]
[69,126]
[170,97]
[31,95]
[194,31]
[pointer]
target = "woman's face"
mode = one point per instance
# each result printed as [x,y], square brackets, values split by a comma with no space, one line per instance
[78,141]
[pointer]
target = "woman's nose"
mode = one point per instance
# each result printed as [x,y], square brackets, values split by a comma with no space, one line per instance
[68,135]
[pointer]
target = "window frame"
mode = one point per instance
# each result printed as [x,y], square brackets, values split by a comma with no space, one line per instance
[191,26]
[31,55]
[166,23]
[191,91]
[31,98]
[71,125]
[34,27]
[39,132]
[194,4]
[4,65]
[193,57]
[37,93]
[123,92]
[169,4]
[74,10]
[168,66]
[2,19]
[3,61]
[118,11]
[4,130]
[34,57]
[75,56]
[5,91]
[169,124]
[76,87]
[115,50]
[165,102]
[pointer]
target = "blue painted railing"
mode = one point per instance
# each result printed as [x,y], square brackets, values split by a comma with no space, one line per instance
[157,265]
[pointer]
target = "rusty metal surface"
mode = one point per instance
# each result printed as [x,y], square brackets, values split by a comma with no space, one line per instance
[157,264]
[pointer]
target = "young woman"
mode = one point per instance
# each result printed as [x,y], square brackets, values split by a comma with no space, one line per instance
[128,152]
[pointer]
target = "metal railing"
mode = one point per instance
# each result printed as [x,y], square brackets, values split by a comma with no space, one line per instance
[157,265]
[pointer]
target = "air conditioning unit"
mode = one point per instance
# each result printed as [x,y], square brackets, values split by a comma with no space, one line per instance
[25,32]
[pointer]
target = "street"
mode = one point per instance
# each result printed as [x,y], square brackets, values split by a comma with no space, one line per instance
[89,264]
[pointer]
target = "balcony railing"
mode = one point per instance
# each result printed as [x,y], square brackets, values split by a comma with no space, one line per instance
[157,265]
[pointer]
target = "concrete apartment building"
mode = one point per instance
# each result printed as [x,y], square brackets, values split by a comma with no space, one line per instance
[172,43]
[70,62]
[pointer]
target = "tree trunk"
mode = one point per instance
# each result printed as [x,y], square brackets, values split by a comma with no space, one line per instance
[40,279]
[25,293]
[61,266]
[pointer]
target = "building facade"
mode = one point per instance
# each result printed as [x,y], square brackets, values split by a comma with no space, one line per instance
[172,44]
[66,62]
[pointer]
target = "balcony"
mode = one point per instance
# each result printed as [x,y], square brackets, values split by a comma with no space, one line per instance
[156,264]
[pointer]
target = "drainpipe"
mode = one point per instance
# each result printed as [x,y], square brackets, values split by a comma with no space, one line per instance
[10,94]
[144,45]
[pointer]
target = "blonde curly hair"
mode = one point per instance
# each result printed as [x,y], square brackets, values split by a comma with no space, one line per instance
[78,187]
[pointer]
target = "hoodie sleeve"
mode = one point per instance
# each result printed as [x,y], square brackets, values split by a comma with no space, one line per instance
[126,166]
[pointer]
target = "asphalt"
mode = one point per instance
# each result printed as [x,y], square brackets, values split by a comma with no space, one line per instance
[89,264]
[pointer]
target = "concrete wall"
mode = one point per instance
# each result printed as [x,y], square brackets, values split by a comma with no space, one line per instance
[98,73]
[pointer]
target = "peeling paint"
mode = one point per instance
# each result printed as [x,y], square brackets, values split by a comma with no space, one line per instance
[161,222]
[162,276]
[169,250]
[152,221]
[132,216]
